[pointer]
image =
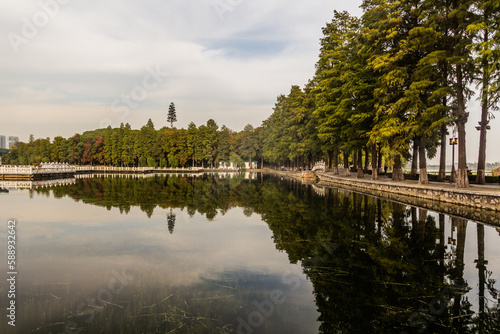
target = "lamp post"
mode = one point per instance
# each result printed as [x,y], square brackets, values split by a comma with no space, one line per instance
[453,142]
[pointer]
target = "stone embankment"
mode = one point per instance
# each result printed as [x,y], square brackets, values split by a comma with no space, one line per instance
[479,202]
[482,197]
[306,177]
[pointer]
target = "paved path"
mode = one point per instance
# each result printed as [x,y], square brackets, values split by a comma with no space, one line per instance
[492,188]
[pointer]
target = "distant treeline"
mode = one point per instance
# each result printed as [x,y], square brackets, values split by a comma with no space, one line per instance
[206,145]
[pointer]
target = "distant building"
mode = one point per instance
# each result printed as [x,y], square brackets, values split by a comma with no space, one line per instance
[230,165]
[227,165]
[3,142]
[12,141]
[251,164]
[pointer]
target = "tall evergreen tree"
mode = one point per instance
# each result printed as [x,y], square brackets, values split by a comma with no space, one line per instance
[382,34]
[276,143]
[224,143]
[248,143]
[192,142]
[333,104]
[59,148]
[460,57]
[172,115]
[486,45]
[212,155]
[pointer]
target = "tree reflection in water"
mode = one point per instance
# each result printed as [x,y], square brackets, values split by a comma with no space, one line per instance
[376,266]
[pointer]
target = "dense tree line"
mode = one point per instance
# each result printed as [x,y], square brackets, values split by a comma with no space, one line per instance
[397,78]
[206,145]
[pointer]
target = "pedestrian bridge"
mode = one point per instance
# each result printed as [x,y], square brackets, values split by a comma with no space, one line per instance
[63,170]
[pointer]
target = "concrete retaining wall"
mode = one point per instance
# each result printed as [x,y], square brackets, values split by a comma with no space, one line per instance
[478,206]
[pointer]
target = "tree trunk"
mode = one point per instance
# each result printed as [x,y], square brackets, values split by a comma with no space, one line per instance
[374,162]
[420,231]
[481,162]
[423,177]
[336,161]
[481,266]
[361,175]
[462,179]
[397,171]
[367,157]
[442,245]
[355,160]
[442,158]
[379,164]
[458,273]
[347,172]
[330,161]
[414,162]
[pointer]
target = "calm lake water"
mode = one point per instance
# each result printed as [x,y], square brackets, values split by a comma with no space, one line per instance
[214,254]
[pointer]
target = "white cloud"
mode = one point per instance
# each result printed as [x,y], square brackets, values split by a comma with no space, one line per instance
[33,95]
[86,56]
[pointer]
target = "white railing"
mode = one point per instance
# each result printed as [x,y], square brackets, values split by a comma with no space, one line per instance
[16,170]
[320,165]
[35,184]
[16,184]
[30,170]
[110,169]
[56,168]
[52,170]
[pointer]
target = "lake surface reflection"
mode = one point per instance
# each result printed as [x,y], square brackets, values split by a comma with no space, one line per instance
[213,254]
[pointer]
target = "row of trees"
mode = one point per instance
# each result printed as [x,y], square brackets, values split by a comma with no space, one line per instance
[206,145]
[398,77]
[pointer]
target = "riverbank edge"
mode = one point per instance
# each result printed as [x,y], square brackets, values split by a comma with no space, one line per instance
[477,206]
[465,197]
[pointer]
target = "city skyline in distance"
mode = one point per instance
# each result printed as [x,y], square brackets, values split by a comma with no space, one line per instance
[8,141]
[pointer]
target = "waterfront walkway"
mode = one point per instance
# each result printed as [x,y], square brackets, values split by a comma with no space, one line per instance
[58,170]
[478,202]
[491,188]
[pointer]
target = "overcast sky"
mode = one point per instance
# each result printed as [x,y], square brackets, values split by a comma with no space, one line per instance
[69,66]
